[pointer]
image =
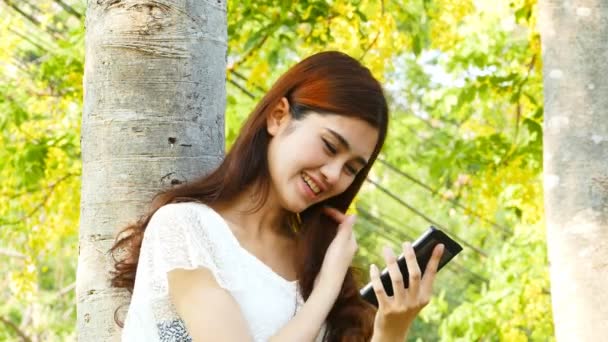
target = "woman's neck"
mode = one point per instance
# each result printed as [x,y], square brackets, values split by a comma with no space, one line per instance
[261,232]
[260,224]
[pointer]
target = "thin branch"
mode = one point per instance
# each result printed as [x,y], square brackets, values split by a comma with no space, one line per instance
[69,9]
[239,75]
[51,30]
[51,189]
[14,327]
[241,88]
[29,40]
[377,34]
[249,53]
[19,194]
[20,11]
[369,46]
[519,90]
[32,7]
[31,191]
[66,290]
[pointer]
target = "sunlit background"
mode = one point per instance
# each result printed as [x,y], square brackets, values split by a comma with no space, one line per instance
[464,151]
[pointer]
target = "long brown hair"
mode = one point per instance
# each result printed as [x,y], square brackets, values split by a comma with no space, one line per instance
[327,82]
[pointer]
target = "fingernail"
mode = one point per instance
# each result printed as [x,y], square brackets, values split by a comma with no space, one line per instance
[388,252]
[373,269]
[350,219]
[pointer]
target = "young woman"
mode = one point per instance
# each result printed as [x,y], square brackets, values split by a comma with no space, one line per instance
[260,249]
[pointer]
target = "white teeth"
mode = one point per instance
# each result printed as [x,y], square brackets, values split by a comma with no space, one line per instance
[311,184]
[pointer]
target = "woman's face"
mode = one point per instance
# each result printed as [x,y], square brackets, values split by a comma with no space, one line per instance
[317,157]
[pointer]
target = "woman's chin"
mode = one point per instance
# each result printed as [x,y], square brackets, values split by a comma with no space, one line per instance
[297,206]
[300,208]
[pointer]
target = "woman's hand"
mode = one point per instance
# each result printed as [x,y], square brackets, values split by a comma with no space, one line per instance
[396,313]
[310,318]
[340,252]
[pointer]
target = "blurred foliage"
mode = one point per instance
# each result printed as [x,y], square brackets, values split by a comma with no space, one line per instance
[464,149]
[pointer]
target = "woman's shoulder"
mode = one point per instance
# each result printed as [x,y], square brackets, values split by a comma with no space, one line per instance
[183,207]
[188,235]
[188,212]
[193,221]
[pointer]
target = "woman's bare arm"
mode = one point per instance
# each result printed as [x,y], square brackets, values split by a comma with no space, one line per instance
[307,323]
[209,311]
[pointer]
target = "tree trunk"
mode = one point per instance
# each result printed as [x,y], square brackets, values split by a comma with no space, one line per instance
[153,117]
[575,48]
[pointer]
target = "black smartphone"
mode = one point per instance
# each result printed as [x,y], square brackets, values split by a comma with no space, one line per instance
[423,247]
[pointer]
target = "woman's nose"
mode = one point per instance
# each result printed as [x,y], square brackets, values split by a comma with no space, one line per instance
[331,172]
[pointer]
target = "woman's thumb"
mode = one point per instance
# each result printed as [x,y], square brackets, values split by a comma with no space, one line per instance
[346,227]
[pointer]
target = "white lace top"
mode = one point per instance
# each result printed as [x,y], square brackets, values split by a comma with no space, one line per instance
[192,235]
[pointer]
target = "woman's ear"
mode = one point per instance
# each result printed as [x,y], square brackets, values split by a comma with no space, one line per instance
[278,117]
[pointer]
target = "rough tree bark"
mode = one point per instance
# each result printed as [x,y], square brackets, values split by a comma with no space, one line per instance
[575,49]
[153,117]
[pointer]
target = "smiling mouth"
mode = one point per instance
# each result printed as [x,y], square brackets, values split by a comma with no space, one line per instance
[311,184]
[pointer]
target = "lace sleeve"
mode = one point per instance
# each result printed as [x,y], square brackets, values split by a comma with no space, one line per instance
[179,237]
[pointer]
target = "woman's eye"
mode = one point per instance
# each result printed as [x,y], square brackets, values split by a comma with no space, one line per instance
[330,147]
[351,170]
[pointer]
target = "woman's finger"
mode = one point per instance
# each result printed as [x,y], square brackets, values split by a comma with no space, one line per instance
[399,292]
[413,270]
[353,236]
[374,275]
[346,227]
[335,214]
[431,270]
[346,222]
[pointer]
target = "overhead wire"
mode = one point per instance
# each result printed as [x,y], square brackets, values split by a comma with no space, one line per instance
[383,189]
[467,211]
[374,219]
[425,217]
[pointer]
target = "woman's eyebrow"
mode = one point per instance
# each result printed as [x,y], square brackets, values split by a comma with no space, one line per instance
[346,145]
